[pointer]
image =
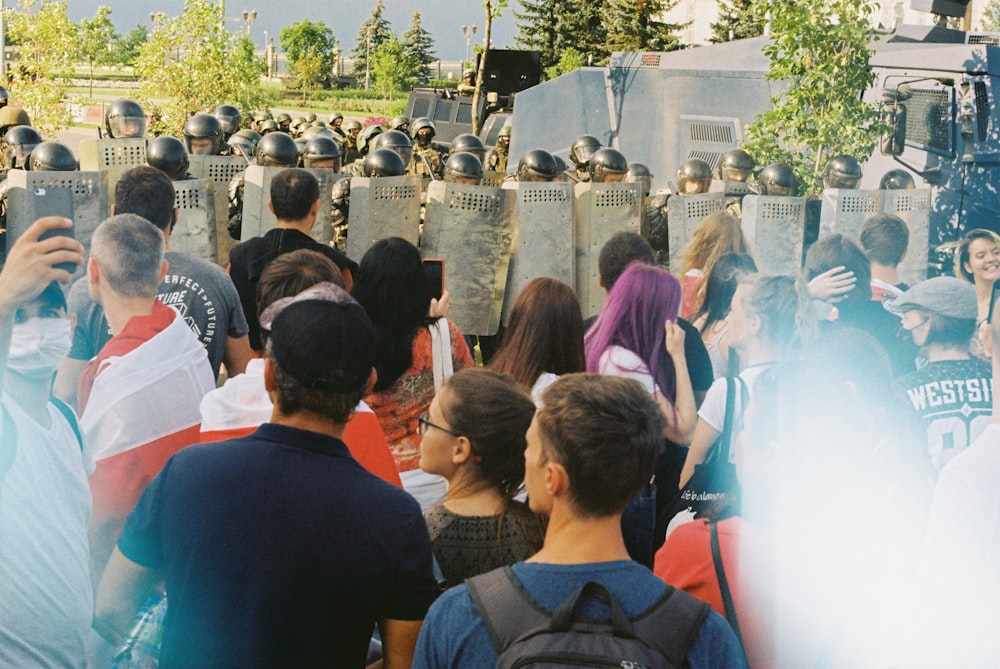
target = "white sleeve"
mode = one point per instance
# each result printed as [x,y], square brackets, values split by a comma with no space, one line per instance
[713,409]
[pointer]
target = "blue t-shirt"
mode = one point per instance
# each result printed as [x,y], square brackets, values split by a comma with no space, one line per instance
[455,636]
[278,550]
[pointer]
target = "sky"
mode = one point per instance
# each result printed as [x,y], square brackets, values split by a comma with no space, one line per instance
[443,18]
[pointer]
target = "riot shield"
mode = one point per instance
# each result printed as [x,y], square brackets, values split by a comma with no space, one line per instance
[382,207]
[544,240]
[195,230]
[492,179]
[774,226]
[846,209]
[914,207]
[472,229]
[257,217]
[599,212]
[219,171]
[684,213]
[90,202]
[113,155]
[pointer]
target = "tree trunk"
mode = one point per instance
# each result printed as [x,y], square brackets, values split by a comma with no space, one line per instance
[481,70]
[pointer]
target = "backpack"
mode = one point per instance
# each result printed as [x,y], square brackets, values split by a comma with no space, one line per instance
[525,636]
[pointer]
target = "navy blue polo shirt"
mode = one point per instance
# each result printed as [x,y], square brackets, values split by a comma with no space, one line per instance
[278,549]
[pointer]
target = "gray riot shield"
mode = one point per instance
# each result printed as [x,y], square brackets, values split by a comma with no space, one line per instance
[914,207]
[90,201]
[845,210]
[684,213]
[219,171]
[382,207]
[599,212]
[472,229]
[113,155]
[492,179]
[195,230]
[773,226]
[258,219]
[544,243]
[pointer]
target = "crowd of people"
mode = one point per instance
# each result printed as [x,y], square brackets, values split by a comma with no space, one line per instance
[296,460]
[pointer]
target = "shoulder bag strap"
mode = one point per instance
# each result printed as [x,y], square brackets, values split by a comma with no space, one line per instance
[70,416]
[441,355]
[721,449]
[507,610]
[720,575]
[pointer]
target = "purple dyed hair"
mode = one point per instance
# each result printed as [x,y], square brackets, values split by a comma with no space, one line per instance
[643,298]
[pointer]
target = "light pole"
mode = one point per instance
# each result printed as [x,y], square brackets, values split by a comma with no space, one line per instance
[368,58]
[468,31]
[250,16]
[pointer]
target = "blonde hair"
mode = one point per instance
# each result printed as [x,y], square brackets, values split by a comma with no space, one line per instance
[718,233]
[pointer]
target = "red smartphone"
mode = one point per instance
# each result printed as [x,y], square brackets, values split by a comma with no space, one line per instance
[434,271]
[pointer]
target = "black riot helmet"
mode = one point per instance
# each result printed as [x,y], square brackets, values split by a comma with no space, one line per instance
[17,145]
[607,166]
[419,124]
[277,149]
[321,152]
[583,148]
[842,171]
[366,136]
[776,179]
[52,157]
[694,176]
[125,118]
[736,165]
[537,165]
[383,163]
[897,180]
[469,143]
[640,174]
[169,155]
[230,118]
[463,168]
[244,143]
[397,141]
[203,135]
[4,97]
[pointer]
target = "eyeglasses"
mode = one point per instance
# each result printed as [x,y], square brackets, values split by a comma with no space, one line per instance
[424,423]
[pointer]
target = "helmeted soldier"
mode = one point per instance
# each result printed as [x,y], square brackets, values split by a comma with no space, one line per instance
[284,121]
[468,85]
[17,144]
[776,179]
[169,155]
[469,143]
[537,165]
[736,165]
[463,168]
[400,123]
[638,173]
[203,135]
[352,128]
[897,180]
[580,153]
[496,158]
[694,177]
[230,118]
[276,149]
[52,157]
[268,125]
[4,97]
[311,117]
[842,171]
[428,156]
[607,166]
[12,116]
[336,119]
[383,163]
[317,131]
[125,118]
[398,141]
[321,152]
[244,143]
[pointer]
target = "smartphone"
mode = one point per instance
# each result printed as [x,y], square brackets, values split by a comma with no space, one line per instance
[434,271]
[54,201]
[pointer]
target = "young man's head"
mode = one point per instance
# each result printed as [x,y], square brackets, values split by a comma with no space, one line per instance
[291,273]
[41,336]
[294,193]
[568,456]
[836,250]
[618,252]
[940,311]
[126,255]
[147,192]
[884,238]
[320,356]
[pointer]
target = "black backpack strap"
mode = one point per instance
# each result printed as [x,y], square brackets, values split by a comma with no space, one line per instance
[672,624]
[498,595]
[720,575]
[70,416]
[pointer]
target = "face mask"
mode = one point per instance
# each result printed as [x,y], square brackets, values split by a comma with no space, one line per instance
[38,346]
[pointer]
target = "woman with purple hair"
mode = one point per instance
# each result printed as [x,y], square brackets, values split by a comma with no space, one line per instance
[636,336]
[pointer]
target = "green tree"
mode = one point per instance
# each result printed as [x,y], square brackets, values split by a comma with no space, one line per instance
[313,41]
[493,9]
[419,45]
[373,33]
[553,26]
[738,19]
[192,63]
[127,48]
[991,15]
[97,41]
[570,60]
[633,26]
[308,69]
[393,69]
[46,46]
[819,51]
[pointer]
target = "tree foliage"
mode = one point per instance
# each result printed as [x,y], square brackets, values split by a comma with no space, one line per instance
[633,25]
[553,26]
[46,45]
[314,41]
[493,9]
[127,48]
[570,60]
[820,49]
[192,63]
[991,15]
[738,19]
[373,33]
[418,44]
[98,41]
[393,68]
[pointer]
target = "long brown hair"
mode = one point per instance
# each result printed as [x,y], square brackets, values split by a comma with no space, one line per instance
[544,333]
[719,232]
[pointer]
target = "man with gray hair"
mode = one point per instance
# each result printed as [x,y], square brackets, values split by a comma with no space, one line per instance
[139,396]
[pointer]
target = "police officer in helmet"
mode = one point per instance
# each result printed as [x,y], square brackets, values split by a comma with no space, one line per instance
[125,118]
[170,156]
[537,165]
[776,179]
[203,135]
[607,166]
[897,180]
[52,157]
[842,171]
[321,152]
[463,168]
[694,177]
